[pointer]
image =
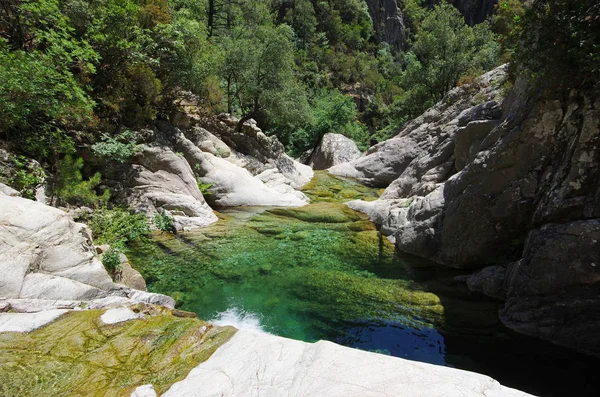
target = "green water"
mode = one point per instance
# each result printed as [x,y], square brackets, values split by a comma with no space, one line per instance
[301,271]
[323,272]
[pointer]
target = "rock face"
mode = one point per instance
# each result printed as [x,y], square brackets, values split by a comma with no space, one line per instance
[251,149]
[422,153]
[388,22]
[475,11]
[525,199]
[242,168]
[333,149]
[274,366]
[161,180]
[45,255]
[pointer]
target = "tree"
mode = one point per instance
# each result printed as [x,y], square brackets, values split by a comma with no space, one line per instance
[42,66]
[259,72]
[557,44]
[445,49]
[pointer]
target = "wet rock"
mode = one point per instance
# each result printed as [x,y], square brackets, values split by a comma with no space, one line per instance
[105,359]
[490,281]
[131,277]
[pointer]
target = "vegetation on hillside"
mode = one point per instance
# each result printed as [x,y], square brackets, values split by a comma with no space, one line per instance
[77,73]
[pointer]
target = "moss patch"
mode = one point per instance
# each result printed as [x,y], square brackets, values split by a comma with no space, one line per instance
[80,355]
[325,187]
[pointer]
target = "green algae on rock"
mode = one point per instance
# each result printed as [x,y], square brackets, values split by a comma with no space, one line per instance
[325,187]
[79,355]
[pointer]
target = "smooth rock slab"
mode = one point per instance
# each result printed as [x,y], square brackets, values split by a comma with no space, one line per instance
[256,364]
[27,322]
[118,315]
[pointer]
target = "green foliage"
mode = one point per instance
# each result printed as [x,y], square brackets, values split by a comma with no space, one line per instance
[204,188]
[507,17]
[70,186]
[444,50]
[118,227]
[558,43]
[111,260]
[259,74]
[164,222]
[41,66]
[26,176]
[331,111]
[120,148]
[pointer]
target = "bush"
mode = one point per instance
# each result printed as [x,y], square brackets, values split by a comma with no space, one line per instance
[26,177]
[111,260]
[72,188]
[164,222]
[445,49]
[118,227]
[120,148]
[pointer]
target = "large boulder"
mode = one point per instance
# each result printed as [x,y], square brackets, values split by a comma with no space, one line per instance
[552,292]
[252,149]
[232,185]
[159,179]
[333,149]
[45,255]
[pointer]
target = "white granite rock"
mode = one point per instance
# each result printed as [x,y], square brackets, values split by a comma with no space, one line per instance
[27,322]
[144,391]
[256,364]
[118,315]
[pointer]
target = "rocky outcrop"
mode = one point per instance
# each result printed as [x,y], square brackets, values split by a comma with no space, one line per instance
[232,185]
[333,149]
[388,22]
[252,149]
[274,366]
[45,255]
[475,11]
[158,179]
[422,154]
[525,200]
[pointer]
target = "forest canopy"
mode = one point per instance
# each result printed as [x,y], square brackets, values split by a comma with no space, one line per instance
[75,71]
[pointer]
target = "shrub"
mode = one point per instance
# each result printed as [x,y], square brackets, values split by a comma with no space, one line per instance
[118,227]
[558,43]
[111,260]
[120,148]
[26,177]
[72,188]
[204,188]
[164,222]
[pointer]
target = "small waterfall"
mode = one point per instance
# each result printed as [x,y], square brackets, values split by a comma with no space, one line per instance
[240,319]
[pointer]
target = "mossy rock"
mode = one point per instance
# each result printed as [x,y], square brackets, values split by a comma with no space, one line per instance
[79,355]
[330,188]
[320,212]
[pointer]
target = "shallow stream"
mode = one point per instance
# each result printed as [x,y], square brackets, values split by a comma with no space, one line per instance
[323,272]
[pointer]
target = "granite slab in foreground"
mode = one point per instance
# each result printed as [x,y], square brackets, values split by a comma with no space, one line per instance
[259,364]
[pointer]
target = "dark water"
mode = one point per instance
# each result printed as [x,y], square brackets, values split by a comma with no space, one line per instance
[323,272]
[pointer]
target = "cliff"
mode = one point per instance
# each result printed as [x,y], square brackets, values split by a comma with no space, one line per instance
[478,180]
